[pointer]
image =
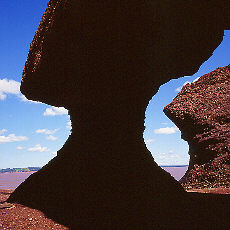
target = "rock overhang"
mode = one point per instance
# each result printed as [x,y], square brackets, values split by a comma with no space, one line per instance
[76,41]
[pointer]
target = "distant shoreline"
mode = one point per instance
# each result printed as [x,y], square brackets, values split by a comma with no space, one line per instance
[35,169]
[16,170]
[163,166]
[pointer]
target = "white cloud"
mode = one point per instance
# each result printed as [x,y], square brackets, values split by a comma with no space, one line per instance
[69,125]
[2,96]
[51,138]
[166,130]
[169,159]
[20,147]
[3,131]
[12,87]
[148,141]
[8,87]
[12,138]
[46,131]
[164,123]
[54,111]
[24,99]
[180,88]
[38,148]
[196,79]
[54,153]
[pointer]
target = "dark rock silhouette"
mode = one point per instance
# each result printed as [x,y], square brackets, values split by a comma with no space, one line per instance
[103,61]
[202,112]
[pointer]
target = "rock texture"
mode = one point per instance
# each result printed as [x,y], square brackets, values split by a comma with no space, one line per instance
[202,112]
[19,217]
[214,174]
[104,60]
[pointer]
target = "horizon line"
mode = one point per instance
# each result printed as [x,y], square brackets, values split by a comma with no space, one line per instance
[43,166]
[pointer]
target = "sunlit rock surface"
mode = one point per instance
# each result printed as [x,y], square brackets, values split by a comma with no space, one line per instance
[202,112]
[103,61]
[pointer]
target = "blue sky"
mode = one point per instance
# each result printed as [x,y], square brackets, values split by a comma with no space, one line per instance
[31,133]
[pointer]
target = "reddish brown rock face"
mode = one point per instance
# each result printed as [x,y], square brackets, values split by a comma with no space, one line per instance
[214,174]
[104,60]
[202,112]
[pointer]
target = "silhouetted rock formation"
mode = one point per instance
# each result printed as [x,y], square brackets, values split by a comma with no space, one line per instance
[104,60]
[202,112]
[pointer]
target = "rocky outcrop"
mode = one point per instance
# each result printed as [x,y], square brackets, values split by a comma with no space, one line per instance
[202,112]
[214,174]
[104,60]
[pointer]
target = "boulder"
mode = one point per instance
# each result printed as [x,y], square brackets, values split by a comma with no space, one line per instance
[202,112]
[103,61]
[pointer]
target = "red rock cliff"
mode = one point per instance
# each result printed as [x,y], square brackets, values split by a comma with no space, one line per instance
[202,112]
